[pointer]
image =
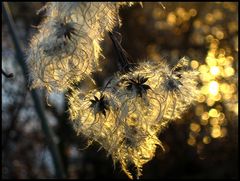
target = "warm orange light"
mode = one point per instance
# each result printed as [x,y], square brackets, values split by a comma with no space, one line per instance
[236,108]
[203,69]
[193,12]
[204,122]
[205,116]
[206,139]
[211,61]
[201,98]
[216,132]
[195,127]
[194,64]
[171,19]
[229,71]
[213,113]
[191,141]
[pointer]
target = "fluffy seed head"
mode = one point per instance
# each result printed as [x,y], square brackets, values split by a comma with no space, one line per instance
[66,48]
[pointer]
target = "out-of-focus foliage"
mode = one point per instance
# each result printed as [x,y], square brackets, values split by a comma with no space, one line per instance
[203,144]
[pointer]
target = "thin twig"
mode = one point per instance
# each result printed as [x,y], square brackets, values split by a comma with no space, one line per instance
[37,103]
[124,59]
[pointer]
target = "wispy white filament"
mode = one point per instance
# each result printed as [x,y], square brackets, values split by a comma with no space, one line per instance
[143,102]
[66,48]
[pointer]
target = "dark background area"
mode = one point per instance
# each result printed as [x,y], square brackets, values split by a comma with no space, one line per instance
[200,145]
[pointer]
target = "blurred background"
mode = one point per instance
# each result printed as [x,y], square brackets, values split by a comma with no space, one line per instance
[203,144]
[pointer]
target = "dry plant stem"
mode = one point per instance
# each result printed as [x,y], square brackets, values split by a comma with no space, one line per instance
[37,103]
[123,57]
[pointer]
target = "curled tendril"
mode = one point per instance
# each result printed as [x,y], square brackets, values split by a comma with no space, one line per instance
[132,109]
[66,48]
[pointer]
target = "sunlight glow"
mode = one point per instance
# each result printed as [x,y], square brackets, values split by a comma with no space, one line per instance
[214,70]
[213,87]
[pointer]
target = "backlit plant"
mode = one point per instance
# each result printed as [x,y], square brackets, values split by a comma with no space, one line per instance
[126,116]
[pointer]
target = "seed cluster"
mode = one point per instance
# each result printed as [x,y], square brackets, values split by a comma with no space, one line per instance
[66,48]
[126,116]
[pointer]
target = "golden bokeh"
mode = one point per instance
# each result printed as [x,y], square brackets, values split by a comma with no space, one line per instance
[217,69]
[217,72]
